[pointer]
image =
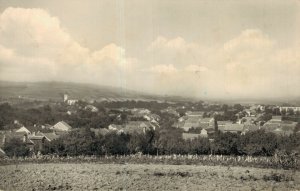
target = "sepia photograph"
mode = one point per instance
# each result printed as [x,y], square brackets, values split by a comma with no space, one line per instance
[153,95]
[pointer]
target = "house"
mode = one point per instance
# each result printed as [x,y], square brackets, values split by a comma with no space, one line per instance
[2,153]
[250,127]
[183,118]
[72,101]
[277,122]
[170,110]
[91,108]
[23,129]
[281,132]
[203,133]
[138,127]
[114,127]
[191,122]
[207,122]
[250,112]
[178,124]
[248,120]
[286,109]
[50,136]
[37,140]
[140,112]
[194,113]
[276,118]
[223,123]
[61,126]
[69,101]
[100,131]
[232,128]
[190,136]
[153,118]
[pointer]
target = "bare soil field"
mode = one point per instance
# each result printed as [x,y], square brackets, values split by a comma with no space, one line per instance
[93,176]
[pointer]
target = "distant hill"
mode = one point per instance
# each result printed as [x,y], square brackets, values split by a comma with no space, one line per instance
[55,91]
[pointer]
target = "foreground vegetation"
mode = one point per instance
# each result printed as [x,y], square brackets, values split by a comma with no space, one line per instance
[89,176]
[276,162]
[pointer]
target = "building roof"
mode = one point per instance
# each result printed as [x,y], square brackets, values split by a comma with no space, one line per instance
[280,131]
[51,136]
[251,127]
[100,131]
[2,153]
[189,136]
[234,127]
[62,126]
[36,137]
[138,126]
[116,127]
[23,129]
[222,123]
[195,113]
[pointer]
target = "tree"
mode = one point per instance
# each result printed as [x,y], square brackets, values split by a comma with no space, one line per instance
[238,107]
[226,143]
[258,143]
[170,141]
[116,144]
[16,148]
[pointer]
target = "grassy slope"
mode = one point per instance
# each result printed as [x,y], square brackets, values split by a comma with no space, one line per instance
[55,90]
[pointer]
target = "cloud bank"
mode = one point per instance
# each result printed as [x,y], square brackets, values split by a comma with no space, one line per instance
[34,46]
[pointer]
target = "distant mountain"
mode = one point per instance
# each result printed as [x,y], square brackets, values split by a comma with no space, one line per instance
[55,91]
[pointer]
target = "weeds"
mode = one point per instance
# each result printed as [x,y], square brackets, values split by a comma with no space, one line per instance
[278,177]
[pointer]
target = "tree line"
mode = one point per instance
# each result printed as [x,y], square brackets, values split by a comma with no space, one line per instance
[161,142]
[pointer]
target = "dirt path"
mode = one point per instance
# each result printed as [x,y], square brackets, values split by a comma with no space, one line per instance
[143,177]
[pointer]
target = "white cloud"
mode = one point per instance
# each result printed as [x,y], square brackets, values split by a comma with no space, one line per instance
[249,64]
[33,42]
[35,46]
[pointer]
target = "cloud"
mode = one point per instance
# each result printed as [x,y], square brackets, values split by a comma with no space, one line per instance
[34,46]
[248,65]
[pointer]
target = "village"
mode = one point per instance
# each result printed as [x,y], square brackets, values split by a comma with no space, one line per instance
[191,121]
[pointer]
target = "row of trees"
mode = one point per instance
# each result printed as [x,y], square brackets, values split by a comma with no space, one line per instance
[160,142]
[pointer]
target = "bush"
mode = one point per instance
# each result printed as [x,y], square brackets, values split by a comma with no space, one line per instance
[16,148]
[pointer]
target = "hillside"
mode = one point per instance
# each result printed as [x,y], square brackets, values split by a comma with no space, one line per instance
[55,91]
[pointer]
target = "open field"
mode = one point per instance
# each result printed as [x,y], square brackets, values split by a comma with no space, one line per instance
[92,176]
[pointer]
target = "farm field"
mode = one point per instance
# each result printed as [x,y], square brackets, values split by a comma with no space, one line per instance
[93,176]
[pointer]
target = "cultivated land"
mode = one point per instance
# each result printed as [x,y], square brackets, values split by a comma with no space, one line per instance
[92,176]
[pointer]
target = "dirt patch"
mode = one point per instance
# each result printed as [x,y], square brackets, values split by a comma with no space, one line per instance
[90,176]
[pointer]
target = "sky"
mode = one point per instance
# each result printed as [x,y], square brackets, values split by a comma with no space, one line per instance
[195,48]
